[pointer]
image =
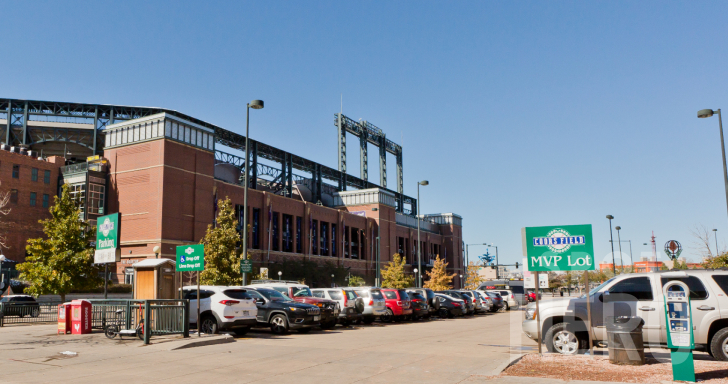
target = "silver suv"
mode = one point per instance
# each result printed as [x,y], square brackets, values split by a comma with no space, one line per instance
[374,304]
[563,321]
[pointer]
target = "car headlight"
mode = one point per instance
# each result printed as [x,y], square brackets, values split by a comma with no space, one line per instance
[530,313]
[294,309]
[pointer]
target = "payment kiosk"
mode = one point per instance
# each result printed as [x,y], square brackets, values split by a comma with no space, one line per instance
[680,340]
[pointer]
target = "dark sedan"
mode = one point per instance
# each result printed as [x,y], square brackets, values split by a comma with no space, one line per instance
[420,309]
[469,306]
[20,305]
[497,301]
[449,307]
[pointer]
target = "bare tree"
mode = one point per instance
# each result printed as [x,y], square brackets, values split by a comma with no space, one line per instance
[4,211]
[703,242]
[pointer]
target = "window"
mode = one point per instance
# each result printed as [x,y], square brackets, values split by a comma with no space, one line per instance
[78,194]
[34,174]
[336,295]
[16,171]
[390,295]
[14,196]
[32,199]
[256,228]
[128,275]
[275,246]
[319,294]
[287,233]
[333,239]
[697,289]
[355,243]
[363,238]
[632,289]
[96,199]
[255,295]
[722,281]
[240,294]
[346,241]
[46,177]
[324,239]
[299,245]
[314,235]
[46,201]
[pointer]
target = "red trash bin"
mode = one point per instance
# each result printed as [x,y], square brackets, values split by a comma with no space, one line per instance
[64,318]
[80,317]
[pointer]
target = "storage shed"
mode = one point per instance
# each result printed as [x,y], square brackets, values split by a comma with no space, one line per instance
[154,279]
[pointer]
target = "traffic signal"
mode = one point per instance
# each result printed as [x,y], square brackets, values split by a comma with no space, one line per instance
[516,265]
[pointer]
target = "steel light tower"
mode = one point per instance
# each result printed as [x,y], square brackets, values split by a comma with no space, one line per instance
[619,240]
[703,113]
[611,237]
[419,244]
[255,104]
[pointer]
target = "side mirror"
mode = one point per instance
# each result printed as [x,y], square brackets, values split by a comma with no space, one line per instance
[600,296]
[259,301]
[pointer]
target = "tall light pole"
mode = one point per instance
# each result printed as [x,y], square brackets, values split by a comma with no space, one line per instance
[497,267]
[703,113]
[255,104]
[467,253]
[619,240]
[2,277]
[715,234]
[419,244]
[611,237]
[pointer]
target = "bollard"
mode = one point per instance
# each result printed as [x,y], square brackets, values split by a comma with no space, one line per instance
[147,331]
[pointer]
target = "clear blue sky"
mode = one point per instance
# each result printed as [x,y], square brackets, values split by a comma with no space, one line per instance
[535,113]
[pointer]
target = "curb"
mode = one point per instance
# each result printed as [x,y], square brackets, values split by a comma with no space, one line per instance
[499,369]
[222,339]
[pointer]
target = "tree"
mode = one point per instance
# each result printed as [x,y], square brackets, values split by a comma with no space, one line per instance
[393,275]
[4,211]
[222,256]
[439,280]
[472,278]
[63,261]
[356,281]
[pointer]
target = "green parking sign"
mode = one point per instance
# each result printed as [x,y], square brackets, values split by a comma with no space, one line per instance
[559,248]
[246,266]
[191,258]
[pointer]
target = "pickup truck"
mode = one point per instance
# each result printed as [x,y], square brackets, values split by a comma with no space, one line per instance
[563,321]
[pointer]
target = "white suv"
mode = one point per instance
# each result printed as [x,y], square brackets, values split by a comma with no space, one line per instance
[222,309]
[348,302]
[563,321]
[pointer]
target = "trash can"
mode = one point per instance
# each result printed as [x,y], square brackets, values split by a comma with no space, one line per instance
[64,318]
[80,317]
[624,335]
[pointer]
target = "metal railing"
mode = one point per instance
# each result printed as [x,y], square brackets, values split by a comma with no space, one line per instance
[161,317]
[28,312]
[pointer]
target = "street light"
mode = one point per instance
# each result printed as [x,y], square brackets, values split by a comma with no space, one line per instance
[378,250]
[2,277]
[703,113]
[715,234]
[497,275]
[332,281]
[415,271]
[156,250]
[255,104]
[419,244]
[279,275]
[611,237]
[619,240]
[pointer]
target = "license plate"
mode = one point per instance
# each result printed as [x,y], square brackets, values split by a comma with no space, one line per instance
[316,318]
[246,313]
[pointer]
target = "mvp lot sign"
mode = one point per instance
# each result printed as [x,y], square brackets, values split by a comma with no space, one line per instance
[558,248]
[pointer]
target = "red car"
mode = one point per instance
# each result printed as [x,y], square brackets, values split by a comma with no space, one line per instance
[398,304]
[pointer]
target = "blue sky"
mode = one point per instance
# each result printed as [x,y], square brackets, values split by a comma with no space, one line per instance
[519,114]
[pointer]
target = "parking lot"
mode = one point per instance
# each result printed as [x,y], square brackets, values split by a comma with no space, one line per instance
[435,351]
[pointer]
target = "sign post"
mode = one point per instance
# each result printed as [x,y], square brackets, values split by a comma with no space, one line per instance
[191,258]
[559,248]
[246,266]
[107,244]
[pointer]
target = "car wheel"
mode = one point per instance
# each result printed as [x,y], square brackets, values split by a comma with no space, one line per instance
[241,331]
[368,320]
[209,325]
[279,325]
[719,345]
[508,307]
[387,317]
[561,339]
[443,313]
[304,330]
[345,323]
[328,325]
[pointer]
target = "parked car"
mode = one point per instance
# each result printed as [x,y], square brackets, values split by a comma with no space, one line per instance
[514,286]
[509,299]
[302,294]
[350,309]
[281,313]
[532,296]
[374,303]
[563,321]
[485,302]
[20,305]
[469,307]
[420,308]
[398,305]
[222,308]
[497,301]
[433,304]
[478,306]
[449,306]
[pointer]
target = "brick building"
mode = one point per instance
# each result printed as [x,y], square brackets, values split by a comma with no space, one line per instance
[163,172]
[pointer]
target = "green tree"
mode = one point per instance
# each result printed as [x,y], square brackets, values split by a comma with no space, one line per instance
[222,257]
[439,280]
[63,260]
[393,275]
[720,261]
[472,278]
[356,281]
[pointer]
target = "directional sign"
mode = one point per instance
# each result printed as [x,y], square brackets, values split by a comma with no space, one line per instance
[107,239]
[190,258]
[246,266]
[559,248]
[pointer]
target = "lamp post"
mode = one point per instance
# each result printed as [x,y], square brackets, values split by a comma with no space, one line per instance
[419,244]
[611,237]
[703,113]
[415,271]
[619,240]
[2,276]
[332,281]
[497,267]
[715,234]
[279,275]
[255,104]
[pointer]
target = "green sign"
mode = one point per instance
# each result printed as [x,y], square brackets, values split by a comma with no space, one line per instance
[107,238]
[191,258]
[559,248]
[246,266]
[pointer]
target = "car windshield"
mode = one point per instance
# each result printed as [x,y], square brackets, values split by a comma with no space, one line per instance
[376,294]
[597,289]
[301,292]
[336,295]
[273,295]
[240,294]
[416,296]
[403,295]
[351,295]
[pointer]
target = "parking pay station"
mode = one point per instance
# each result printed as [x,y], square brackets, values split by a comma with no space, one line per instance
[678,317]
